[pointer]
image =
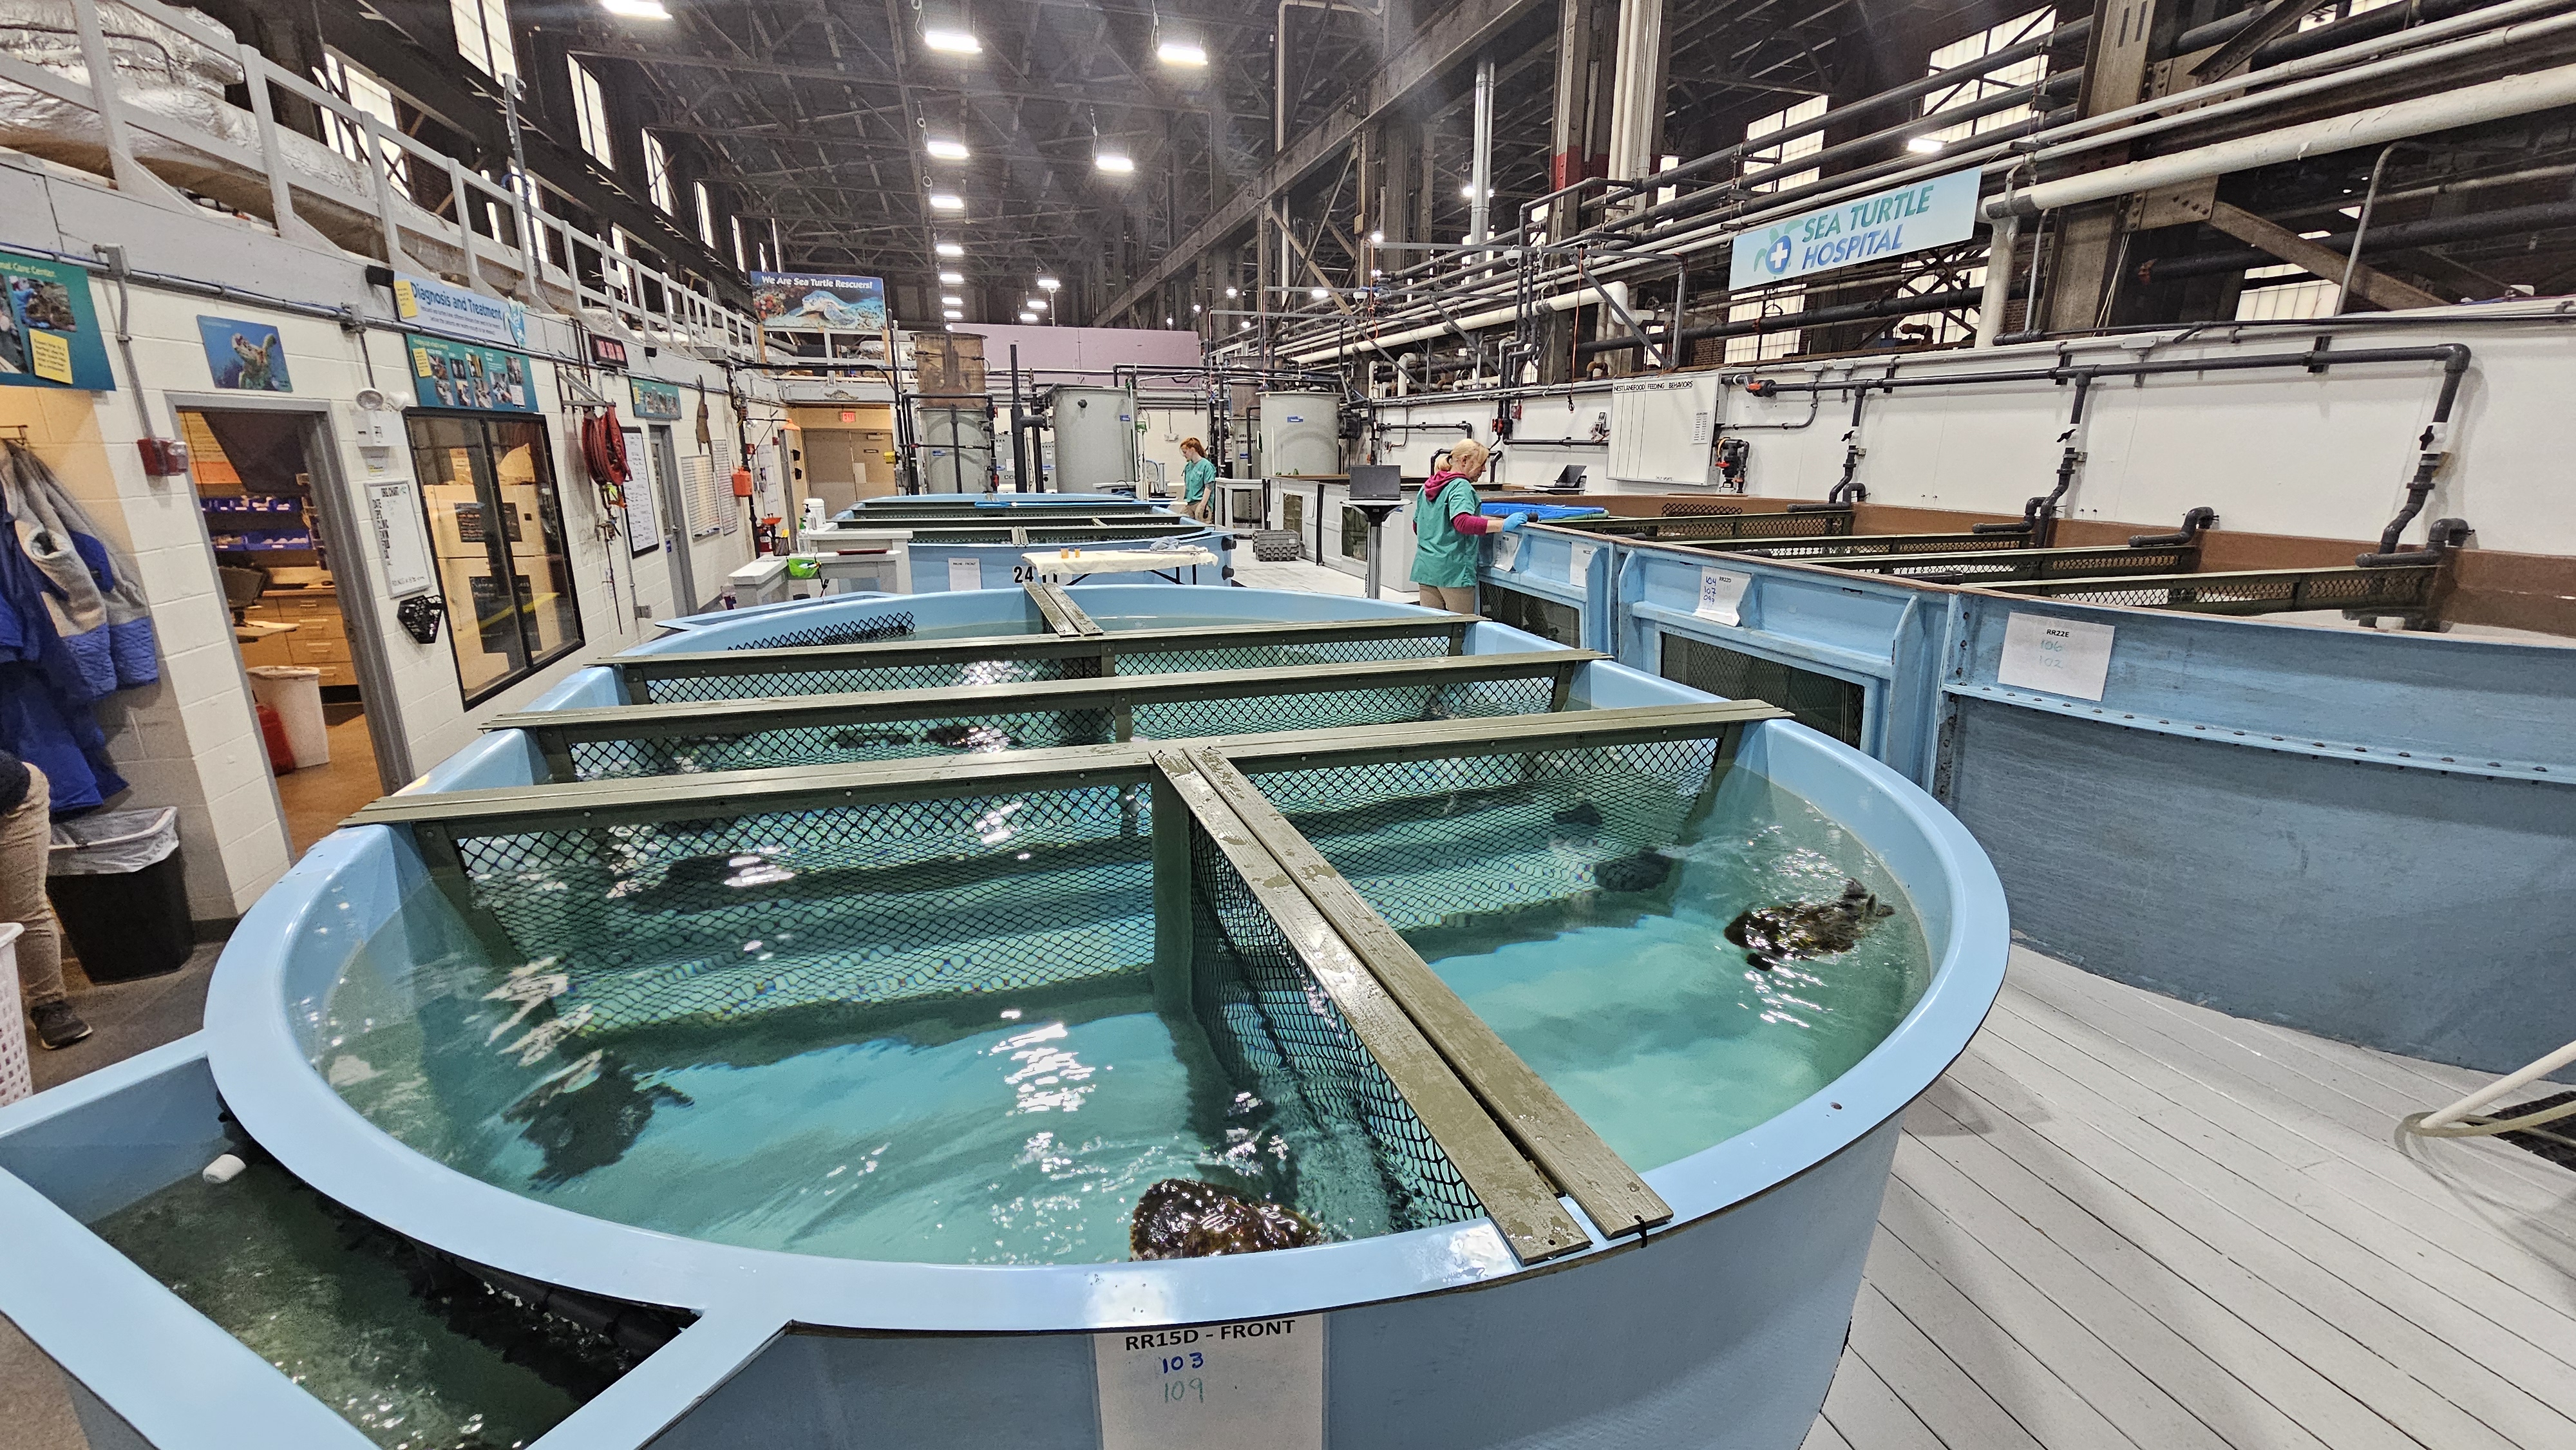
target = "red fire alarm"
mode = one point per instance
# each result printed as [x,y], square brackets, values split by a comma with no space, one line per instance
[163,457]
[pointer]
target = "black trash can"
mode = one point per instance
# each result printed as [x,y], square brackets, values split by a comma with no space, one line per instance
[117,883]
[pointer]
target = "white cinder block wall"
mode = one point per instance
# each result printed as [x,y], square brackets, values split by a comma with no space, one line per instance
[192,741]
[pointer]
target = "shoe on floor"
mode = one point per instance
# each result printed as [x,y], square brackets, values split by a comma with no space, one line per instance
[57,1025]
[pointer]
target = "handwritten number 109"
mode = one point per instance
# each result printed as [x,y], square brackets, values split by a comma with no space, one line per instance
[1182,1392]
[1179,1362]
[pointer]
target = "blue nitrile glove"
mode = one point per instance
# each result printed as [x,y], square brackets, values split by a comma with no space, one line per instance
[1514,523]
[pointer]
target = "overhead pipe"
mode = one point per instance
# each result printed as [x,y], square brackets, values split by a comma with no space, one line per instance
[1562,302]
[1823,316]
[2384,236]
[2491,101]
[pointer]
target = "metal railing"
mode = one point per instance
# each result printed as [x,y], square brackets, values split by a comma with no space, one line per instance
[497,257]
[2406,590]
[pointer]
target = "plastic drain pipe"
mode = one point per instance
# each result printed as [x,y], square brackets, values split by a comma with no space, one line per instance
[2493,101]
[2462,1119]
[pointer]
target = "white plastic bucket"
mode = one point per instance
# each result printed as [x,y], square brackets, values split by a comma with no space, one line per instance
[295,693]
[17,1080]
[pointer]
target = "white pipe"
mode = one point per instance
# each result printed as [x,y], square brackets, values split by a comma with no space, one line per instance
[1480,178]
[2492,101]
[2494,1090]
[1999,265]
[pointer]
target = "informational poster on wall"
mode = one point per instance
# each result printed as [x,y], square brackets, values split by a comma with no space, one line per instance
[643,518]
[245,355]
[459,311]
[49,333]
[1252,1385]
[2060,656]
[655,402]
[812,300]
[394,520]
[462,375]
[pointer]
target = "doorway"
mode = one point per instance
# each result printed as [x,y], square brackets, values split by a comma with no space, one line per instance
[685,599]
[305,636]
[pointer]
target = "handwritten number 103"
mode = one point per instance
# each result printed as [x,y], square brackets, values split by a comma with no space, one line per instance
[1179,1362]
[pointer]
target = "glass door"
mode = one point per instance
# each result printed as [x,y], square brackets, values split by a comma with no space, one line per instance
[497,536]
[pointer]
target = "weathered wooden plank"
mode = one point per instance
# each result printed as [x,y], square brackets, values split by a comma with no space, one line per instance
[1518,1199]
[1553,1134]
[1869,1415]
[1950,1404]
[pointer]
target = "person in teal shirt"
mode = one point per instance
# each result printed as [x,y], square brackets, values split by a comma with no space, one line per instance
[1196,474]
[1446,521]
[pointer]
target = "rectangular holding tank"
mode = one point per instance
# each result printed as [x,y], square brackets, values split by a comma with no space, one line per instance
[1095,437]
[1301,434]
[956,447]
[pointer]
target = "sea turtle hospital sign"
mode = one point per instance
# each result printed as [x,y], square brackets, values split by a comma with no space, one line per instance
[1884,224]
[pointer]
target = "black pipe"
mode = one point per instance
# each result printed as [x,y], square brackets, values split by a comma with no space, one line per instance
[2192,524]
[1019,452]
[2367,25]
[2453,356]
[1822,316]
[2384,237]
[2444,536]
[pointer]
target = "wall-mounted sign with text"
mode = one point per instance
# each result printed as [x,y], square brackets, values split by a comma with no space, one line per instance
[48,328]
[459,312]
[655,402]
[461,375]
[1885,224]
[607,352]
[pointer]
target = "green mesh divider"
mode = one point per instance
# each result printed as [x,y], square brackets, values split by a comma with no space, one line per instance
[1366,1163]
[854,631]
[1820,701]
[1441,841]
[841,679]
[849,908]
[1313,709]
[1282,656]
[1546,618]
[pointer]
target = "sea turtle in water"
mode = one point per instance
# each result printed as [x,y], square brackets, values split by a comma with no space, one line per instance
[1798,930]
[1640,870]
[1182,1218]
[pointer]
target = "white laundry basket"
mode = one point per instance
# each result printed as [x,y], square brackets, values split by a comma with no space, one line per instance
[16,1080]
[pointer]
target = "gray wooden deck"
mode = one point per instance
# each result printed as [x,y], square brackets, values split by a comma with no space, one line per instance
[2121,1220]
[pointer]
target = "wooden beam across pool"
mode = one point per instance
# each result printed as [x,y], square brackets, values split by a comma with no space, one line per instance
[507,809]
[1513,1191]
[1551,1133]
[557,731]
[638,671]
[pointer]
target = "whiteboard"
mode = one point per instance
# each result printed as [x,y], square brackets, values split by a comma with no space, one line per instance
[643,523]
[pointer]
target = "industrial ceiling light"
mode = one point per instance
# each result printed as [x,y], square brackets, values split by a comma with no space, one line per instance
[1048,284]
[945,149]
[1035,304]
[1028,317]
[951,39]
[1116,163]
[1469,191]
[947,201]
[953,315]
[1925,145]
[1319,294]
[1196,309]
[1181,52]
[952,301]
[952,279]
[948,249]
[1377,239]
[636,9]
[1167,322]
[1233,291]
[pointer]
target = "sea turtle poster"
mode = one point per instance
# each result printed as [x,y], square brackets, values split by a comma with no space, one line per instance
[790,300]
[245,355]
[49,335]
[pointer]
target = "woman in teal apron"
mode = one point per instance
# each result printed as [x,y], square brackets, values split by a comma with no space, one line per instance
[1446,522]
[1196,474]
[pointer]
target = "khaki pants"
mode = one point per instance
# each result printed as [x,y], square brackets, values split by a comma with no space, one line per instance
[25,835]
[1461,600]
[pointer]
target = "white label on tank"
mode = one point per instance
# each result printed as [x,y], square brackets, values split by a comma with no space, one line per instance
[1699,427]
[965,573]
[1257,1384]
[1578,570]
[1721,595]
[2061,656]
[1507,551]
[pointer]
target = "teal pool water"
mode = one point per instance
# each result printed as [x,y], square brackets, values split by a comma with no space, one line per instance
[414,1360]
[982,1076]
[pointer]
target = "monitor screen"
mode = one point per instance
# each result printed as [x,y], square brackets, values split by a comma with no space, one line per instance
[1376,483]
[1570,478]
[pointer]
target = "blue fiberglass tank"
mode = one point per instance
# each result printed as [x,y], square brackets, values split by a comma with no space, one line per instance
[907,1227]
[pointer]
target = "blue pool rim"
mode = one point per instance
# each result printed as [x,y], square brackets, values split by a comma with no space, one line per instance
[255,1050]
